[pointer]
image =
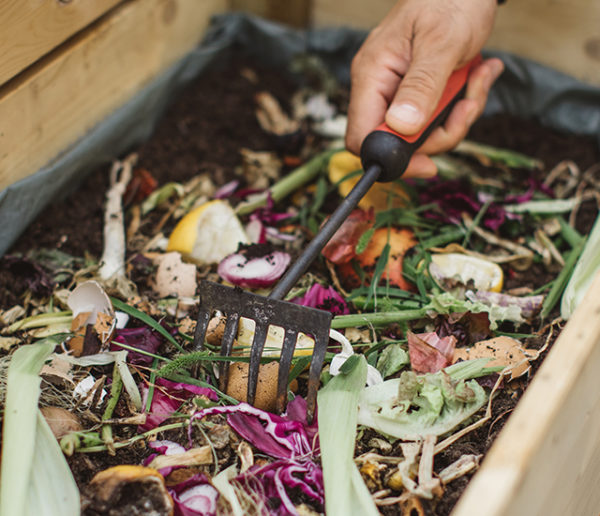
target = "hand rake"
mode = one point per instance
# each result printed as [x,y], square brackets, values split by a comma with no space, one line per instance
[385,155]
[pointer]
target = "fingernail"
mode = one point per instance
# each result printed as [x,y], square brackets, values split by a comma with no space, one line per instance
[405,114]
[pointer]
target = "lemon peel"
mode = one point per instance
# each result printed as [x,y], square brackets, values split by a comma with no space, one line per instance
[381,196]
[483,274]
[208,233]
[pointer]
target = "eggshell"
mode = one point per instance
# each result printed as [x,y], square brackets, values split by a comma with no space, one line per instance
[266,389]
[173,277]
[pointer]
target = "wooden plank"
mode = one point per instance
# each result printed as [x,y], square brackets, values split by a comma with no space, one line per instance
[48,108]
[32,29]
[351,13]
[291,12]
[562,34]
[546,460]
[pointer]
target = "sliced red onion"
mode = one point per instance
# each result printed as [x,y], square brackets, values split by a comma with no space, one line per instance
[168,398]
[194,497]
[166,447]
[259,272]
[255,231]
[227,189]
[200,500]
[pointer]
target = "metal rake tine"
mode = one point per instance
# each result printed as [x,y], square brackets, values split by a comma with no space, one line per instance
[229,334]
[314,375]
[258,343]
[285,360]
[201,327]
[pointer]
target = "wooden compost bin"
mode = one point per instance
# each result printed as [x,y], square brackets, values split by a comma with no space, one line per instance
[65,65]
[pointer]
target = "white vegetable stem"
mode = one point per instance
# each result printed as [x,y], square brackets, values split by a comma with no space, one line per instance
[113,257]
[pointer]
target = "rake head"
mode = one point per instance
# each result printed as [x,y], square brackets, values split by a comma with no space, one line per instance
[235,303]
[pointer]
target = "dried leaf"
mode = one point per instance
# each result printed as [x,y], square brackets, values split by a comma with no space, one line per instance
[503,351]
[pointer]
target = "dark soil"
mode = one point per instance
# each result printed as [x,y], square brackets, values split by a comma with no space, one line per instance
[203,132]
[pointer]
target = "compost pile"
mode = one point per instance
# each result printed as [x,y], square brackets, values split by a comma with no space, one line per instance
[445,293]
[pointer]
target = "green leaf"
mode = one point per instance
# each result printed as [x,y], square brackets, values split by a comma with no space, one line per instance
[585,270]
[392,359]
[160,195]
[35,477]
[345,492]
[363,241]
[53,491]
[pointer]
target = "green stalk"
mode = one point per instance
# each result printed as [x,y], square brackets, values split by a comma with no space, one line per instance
[140,351]
[444,238]
[290,183]
[41,320]
[496,155]
[561,280]
[476,222]
[377,319]
[131,440]
[570,234]
[115,393]
[151,386]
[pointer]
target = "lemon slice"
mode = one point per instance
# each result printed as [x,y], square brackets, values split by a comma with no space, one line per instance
[381,196]
[208,233]
[274,341]
[482,274]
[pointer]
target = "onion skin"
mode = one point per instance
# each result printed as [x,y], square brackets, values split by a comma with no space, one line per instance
[258,272]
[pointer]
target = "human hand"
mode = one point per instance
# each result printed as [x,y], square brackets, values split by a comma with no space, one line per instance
[401,70]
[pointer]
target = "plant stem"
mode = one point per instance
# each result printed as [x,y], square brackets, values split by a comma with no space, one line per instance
[115,393]
[444,238]
[41,320]
[130,441]
[376,319]
[290,183]
[561,280]
[140,351]
[570,234]
[151,386]
[476,222]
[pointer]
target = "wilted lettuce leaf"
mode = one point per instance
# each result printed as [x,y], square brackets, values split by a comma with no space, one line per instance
[392,359]
[412,406]
[446,303]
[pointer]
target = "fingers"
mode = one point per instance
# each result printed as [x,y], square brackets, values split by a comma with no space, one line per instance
[466,111]
[421,88]
[420,166]
[371,91]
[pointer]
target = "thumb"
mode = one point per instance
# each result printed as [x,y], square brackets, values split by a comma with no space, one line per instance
[419,92]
